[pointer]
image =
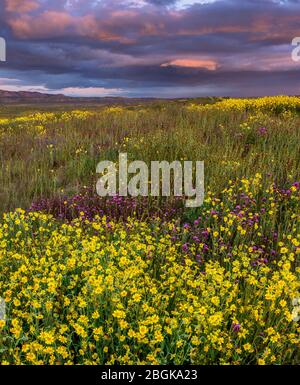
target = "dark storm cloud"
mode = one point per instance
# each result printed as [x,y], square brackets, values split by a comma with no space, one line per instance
[233,47]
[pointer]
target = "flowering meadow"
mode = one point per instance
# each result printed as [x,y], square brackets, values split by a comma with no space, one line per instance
[121,280]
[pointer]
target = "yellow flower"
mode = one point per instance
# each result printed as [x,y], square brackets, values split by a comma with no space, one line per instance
[283,250]
[143,330]
[119,314]
[136,297]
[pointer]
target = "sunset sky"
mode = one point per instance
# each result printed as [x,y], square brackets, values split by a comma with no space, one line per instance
[156,48]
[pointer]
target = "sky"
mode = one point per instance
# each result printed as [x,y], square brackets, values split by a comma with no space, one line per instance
[150,48]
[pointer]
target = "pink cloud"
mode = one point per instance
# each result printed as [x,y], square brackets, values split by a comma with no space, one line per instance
[21,6]
[56,23]
[89,26]
[127,25]
[48,23]
[193,63]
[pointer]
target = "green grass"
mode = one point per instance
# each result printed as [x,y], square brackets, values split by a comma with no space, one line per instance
[41,158]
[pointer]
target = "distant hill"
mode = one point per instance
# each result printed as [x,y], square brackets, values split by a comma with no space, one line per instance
[24,97]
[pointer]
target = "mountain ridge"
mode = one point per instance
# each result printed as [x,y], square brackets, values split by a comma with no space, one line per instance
[11,97]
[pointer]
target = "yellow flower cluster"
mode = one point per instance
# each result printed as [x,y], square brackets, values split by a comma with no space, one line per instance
[100,292]
[270,103]
[37,124]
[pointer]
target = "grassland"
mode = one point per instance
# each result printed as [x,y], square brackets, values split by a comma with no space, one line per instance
[90,280]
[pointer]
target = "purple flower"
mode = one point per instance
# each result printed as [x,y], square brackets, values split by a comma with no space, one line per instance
[185,248]
[262,130]
[236,327]
[297,185]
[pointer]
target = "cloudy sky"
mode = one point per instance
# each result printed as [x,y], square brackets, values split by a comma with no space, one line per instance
[163,48]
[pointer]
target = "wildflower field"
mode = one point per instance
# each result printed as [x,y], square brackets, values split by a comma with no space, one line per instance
[120,280]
